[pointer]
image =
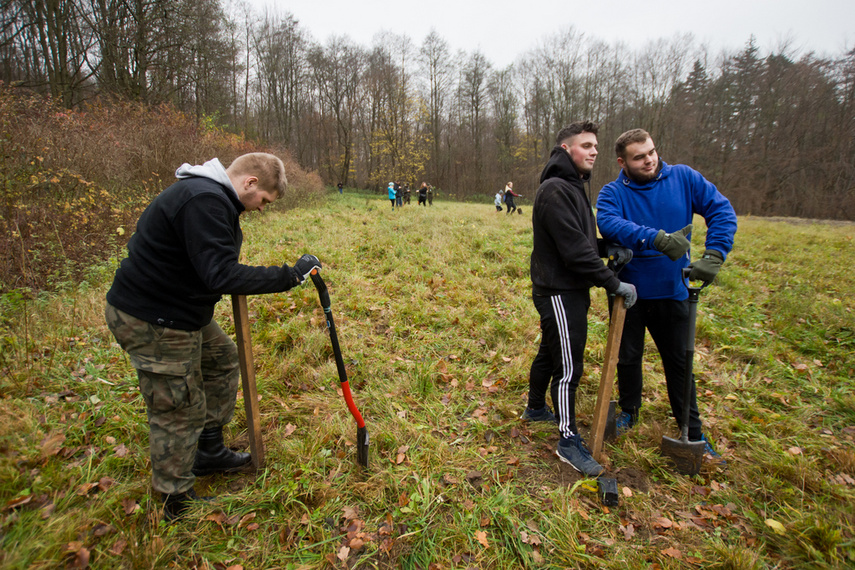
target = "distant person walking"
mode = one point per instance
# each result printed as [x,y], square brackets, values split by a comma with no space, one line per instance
[391,193]
[509,198]
[423,192]
[340,188]
[399,195]
[430,194]
[497,201]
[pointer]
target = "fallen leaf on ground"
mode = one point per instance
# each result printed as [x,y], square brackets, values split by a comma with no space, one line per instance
[776,526]
[18,501]
[673,553]
[343,553]
[349,513]
[218,518]
[51,444]
[130,506]
[481,537]
[118,547]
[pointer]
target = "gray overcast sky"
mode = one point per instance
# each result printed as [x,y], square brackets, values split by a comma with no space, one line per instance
[505,29]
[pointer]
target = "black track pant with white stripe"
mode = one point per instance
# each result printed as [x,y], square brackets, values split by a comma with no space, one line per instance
[558,364]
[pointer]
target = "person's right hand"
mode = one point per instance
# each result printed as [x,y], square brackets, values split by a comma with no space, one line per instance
[305,265]
[674,245]
[628,292]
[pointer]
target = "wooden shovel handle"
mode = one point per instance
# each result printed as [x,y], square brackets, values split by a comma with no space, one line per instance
[247,376]
[607,380]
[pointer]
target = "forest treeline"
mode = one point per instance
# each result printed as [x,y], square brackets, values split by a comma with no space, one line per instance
[775,131]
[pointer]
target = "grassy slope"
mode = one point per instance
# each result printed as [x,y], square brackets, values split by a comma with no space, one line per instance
[438,331]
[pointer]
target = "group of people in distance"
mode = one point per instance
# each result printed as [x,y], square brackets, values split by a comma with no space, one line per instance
[649,210]
[400,194]
[184,255]
[507,196]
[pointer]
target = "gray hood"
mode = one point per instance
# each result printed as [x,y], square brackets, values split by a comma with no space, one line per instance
[212,169]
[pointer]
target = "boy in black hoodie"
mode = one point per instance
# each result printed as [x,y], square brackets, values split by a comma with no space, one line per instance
[565,264]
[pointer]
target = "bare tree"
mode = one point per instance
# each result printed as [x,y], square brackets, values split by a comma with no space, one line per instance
[337,70]
[437,71]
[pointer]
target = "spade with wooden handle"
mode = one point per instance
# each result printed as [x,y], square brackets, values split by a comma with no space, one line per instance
[607,380]
[247,376]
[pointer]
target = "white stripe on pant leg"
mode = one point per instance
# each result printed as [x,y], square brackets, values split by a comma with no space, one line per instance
[566,364]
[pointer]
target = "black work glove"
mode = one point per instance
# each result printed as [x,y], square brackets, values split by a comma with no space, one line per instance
[706,268]
[674,245]
[304,267]
[618,254]
[628,292]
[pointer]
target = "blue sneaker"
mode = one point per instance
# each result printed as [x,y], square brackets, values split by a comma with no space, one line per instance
[544,414]
[623,423]
[710,451]
[577,455]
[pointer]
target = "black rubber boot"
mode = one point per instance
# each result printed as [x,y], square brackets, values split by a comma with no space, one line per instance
[212,456]
[175,505]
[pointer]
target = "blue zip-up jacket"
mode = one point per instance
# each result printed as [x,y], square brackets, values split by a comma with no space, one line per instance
[632,213]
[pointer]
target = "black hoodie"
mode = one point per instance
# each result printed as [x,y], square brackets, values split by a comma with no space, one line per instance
[565,255]
[184,256]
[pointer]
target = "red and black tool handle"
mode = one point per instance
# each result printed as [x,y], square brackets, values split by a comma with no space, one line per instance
[361,431]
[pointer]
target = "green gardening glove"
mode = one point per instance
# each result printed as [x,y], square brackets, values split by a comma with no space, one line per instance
[706,268]
[674,245]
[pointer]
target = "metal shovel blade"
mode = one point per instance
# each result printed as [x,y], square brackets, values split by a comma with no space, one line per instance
[688,456]
[362,446]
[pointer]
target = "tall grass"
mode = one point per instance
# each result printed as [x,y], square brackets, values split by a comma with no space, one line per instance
[437,330]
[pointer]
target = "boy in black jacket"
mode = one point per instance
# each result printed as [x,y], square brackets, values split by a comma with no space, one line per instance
[565,264]
[182,258]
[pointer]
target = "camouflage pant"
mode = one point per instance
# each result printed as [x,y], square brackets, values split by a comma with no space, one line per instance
[189,381]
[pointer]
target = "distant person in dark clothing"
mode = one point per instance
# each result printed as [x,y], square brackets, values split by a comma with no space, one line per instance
[430,194]
[340,188]
[509,198]
[423,192]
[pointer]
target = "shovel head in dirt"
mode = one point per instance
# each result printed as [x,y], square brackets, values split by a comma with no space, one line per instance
[688,456]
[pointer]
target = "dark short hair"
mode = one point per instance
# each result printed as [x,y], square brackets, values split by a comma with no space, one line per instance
[574,129]
[628,138]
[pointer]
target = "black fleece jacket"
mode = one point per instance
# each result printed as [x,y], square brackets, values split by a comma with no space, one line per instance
[565,256]
[184,256]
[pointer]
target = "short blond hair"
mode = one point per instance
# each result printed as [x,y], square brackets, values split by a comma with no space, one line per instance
[268,168]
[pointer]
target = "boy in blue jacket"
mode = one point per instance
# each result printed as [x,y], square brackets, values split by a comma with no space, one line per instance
[649,209]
